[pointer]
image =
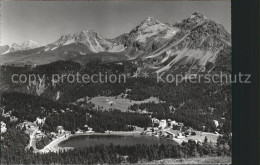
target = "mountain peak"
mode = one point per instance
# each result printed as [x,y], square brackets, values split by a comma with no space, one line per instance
[150,21]
[198,15]
[88,31]
[30,44]
[31,41]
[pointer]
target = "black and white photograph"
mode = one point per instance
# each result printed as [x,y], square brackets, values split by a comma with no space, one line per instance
[116,82]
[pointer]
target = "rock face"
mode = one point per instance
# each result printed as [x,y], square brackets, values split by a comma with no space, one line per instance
[195,42]
[148,36]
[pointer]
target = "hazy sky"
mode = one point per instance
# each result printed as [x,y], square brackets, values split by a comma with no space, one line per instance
[45,22]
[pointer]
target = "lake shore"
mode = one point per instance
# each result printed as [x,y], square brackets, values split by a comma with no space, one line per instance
[54,145]
[197,160]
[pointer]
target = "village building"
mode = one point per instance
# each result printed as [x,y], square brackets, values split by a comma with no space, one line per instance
[40,121]
[60,130]
[162,124]
[216,123]
[173,123]
[154,120]
[13,119]
[3,127]
[179,135]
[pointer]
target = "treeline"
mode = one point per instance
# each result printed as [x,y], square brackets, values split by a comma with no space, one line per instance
[117,121]
[13,144]
[196,104]
[100,121]
[194,109]
[201,120]
[70,116]
[28,107]
[12,152]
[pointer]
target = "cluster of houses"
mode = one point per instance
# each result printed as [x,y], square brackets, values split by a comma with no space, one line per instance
[7,115]
[30,127]
[60,131]
[168,129]
[162,124]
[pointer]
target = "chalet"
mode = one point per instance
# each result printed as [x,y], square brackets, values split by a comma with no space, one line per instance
[216,123]
[111,103]
[6,114]
[3,127]
[53,134]
[180,124]
[154,120]
[170,133]
[40,121]
[39,134]
[179,136]
[13,119]
[162,124]
[60,130]
[173,123]
[149,132]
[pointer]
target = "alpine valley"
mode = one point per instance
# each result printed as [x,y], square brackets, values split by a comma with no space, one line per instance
[194,118]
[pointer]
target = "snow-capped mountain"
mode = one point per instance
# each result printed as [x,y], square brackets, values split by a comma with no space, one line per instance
[194,42]
[16,47]
[4,49]
[95,42]
[30,44]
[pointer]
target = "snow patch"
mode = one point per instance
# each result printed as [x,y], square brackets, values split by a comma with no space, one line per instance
[54,48]
[69,42]
[6,51]
[117,48]
[82,53]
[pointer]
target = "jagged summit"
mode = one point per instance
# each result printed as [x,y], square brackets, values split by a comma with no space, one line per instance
[77,35]
[150,21]
[30,44]
[199,15]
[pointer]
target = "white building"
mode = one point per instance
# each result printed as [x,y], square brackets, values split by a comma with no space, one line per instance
[60,130]
[3,127]
[154,120]
[179,136]
[111,102]
[173,123]
[40,121]
[216,123]
[162,123]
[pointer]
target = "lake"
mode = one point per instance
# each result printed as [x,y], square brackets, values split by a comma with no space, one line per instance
[92,140]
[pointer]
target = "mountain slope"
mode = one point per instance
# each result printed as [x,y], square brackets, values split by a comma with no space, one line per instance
[193,43]
[148,36]
[198,42]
